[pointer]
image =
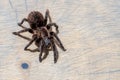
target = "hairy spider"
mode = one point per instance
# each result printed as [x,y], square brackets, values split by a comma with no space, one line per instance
[37,28]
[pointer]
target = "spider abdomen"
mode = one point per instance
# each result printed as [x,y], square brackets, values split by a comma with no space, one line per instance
[35,19]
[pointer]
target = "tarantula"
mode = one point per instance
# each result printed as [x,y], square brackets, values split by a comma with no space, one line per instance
[39,24]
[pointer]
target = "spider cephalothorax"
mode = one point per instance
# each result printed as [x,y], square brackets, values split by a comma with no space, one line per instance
[45,39]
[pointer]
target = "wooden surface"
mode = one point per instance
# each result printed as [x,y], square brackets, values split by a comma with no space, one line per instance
[89,29]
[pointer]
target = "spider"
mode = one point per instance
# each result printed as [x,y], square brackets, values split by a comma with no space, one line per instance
[36,21]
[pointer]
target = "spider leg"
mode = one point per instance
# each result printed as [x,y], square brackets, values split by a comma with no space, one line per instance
[53,24]
[24,37]
[41,49]
[58,41]
[46,54]
[38,44]
[34,50]
[21,31]
[30,43]
[47,15]
[20,24]
[56,55]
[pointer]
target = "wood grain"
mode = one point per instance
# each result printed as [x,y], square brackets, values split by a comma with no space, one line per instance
[89,29]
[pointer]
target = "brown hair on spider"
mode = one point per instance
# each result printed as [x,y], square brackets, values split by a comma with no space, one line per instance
[36,19]
[42,34]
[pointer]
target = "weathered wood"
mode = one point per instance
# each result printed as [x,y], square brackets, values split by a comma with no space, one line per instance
[89,29]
